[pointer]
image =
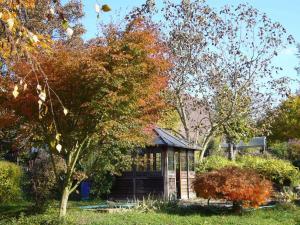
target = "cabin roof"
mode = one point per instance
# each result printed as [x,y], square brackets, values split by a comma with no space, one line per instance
[164,137]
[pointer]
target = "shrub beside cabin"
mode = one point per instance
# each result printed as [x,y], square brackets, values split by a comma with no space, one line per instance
[165,169]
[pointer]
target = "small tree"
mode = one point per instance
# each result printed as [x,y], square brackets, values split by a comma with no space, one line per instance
[241,186]
[110,90]
[215,54]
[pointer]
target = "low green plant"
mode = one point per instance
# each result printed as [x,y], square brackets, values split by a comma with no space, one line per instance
[280,149]
[213,163]
[150,204]
[10,182]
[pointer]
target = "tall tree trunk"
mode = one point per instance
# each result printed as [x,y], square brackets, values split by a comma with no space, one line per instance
[203,152]
[204,146]
[64,201]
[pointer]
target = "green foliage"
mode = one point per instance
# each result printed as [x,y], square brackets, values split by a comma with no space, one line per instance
[286,150]
[10,182]
[286,125]
[214,147]
[170,119]
[101,168]
[279,171]
[213,163]
[294,149]
[279,149]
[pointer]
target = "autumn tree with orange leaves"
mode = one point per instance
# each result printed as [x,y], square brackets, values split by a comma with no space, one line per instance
[241,186]
[110,92]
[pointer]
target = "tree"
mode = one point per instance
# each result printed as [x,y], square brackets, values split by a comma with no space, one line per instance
[284,131]
[111,89]
[216,54]
[242,186]
[286,124]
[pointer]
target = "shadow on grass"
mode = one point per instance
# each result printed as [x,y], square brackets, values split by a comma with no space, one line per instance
[15,209]
[211,210]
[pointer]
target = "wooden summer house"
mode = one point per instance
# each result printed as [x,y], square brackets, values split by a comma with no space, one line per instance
[165,169]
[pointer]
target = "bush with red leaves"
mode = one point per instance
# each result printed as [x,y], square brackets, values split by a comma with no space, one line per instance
[241,186]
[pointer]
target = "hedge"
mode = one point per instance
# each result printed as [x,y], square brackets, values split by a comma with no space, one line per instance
[10,182]
[281,172]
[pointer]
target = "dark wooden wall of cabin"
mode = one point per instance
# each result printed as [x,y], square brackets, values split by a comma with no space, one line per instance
[138,184]
[142,185]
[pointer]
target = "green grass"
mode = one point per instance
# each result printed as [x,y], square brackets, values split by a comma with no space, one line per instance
[276,216]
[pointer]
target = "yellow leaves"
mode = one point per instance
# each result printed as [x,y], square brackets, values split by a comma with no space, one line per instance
[16,91]
[69,32]
[97,8]
[58,147]
[55,143]
[39,87]
[43,95]
[40,104]
[33,38]
[106,8]
[10,22]
[66,111]
[58,136]
[25,86]
[51,11]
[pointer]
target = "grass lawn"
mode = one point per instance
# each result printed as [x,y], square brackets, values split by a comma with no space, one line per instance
[27,215]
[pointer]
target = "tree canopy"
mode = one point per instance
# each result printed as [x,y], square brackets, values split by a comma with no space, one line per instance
[286,124]
[109,89]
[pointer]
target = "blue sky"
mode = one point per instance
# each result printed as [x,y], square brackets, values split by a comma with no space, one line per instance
[286,12]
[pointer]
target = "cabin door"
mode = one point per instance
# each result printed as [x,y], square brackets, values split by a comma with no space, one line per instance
[178,185]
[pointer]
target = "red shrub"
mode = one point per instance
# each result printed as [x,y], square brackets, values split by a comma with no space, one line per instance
[234,184]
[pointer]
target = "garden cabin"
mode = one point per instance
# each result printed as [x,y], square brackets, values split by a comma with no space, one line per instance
[165,169]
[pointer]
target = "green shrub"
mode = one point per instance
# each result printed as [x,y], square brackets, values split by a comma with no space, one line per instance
[214,163]
[10,182]
[281,172]
[280,149]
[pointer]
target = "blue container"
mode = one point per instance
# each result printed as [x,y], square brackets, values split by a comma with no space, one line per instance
[85,188]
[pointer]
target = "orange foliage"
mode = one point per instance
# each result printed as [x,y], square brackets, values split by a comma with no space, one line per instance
[234,184]
[112,85]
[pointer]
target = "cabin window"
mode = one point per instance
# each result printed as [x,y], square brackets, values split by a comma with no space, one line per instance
[148,162]
[157,162]
[171,162]
[191,161]
[183,161]
[151,162]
